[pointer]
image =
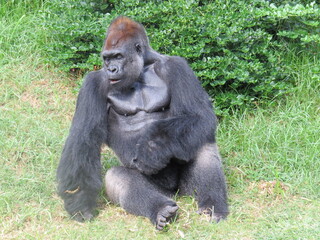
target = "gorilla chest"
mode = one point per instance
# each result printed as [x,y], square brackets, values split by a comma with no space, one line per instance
[145,102]
[150,94]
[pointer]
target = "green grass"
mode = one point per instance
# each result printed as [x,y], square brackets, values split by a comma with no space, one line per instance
[281,141]
[271,156]
[14,9]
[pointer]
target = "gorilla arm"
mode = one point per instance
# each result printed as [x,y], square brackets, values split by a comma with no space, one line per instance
[78,173]
[191,123]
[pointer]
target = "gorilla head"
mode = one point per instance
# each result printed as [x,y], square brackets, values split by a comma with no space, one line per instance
[124,52]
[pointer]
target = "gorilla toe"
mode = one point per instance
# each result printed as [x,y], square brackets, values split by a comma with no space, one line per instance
[165,215]
[214,217]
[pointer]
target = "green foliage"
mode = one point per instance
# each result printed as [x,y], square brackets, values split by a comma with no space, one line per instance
[76,33]
[233,46]
[17,8]
[19,31]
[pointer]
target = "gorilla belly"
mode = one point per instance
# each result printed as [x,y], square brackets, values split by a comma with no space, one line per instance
[125,132]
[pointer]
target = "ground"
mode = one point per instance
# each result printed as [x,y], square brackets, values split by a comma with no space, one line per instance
[268,158]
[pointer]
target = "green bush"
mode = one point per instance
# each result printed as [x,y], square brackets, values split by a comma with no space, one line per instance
[233,46]
[75,33]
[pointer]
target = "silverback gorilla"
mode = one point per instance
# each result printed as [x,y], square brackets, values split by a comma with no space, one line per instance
[152,111]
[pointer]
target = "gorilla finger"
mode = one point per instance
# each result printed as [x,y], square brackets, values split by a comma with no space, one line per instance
[82,216]
[218,217]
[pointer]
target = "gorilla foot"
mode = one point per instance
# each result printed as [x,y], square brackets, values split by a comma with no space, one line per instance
[165,215]
[214,217]
[82,216]
[217,217]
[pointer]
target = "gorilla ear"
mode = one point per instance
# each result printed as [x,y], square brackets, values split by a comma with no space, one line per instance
[138,48]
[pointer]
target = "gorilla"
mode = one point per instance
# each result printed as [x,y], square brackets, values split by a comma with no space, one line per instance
[151,110]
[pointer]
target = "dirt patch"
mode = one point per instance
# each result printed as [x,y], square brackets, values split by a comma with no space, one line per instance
[31,99]
[269,188]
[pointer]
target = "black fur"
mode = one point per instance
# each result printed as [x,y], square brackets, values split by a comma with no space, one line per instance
[164,137]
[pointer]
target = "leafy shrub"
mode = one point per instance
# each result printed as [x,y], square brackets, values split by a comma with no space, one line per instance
[233,46]
[75,33]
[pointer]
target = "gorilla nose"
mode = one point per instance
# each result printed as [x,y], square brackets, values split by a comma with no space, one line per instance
[134,160]
[113,69]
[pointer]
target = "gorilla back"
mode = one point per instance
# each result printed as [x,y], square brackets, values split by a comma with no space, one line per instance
[152,111]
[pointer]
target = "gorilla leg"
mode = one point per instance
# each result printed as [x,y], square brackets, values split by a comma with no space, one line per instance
[137,195]
[205,179]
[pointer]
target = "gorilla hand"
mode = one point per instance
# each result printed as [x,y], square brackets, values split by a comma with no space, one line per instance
[151,156]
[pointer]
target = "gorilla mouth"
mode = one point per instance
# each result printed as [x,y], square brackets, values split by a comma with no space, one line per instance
[114,81]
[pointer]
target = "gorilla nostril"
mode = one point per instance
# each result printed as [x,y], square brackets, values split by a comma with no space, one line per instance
[113,69]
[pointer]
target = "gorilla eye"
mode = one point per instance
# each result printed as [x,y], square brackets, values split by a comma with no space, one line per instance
[138,48]
[118,56]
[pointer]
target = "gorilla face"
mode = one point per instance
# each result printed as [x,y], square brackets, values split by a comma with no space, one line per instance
[123,64]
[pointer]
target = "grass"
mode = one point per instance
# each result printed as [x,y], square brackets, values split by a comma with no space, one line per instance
[271,156]
[280,142]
